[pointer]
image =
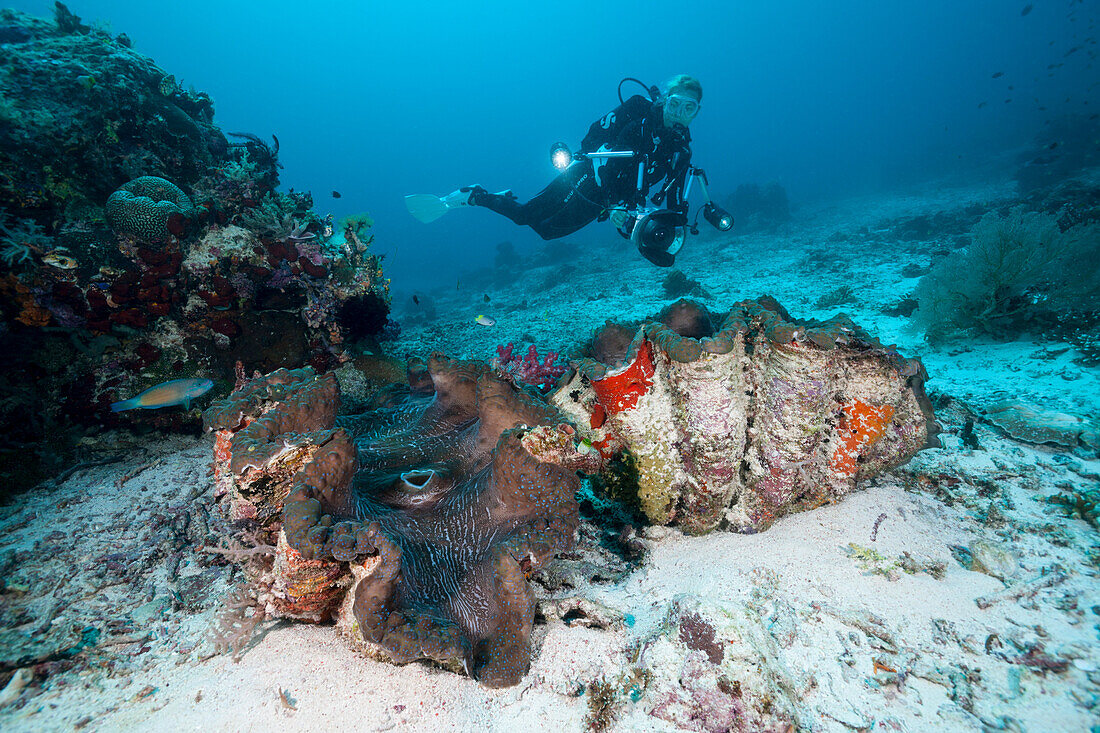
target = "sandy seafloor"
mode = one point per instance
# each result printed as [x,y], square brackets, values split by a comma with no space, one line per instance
[111,549]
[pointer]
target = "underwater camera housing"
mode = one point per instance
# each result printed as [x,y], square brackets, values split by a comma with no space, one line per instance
[657,233]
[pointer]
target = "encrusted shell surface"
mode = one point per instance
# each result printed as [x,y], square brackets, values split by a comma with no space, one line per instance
[764,416]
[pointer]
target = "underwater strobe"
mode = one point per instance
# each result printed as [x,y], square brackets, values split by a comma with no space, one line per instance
[718,217]
[560,156]
[715,215]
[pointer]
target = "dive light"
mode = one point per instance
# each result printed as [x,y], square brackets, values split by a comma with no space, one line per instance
[560,156]
[718,217]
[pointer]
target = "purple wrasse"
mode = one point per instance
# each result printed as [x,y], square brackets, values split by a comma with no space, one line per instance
[166,394]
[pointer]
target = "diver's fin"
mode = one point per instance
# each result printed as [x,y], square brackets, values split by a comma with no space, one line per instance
[425,207]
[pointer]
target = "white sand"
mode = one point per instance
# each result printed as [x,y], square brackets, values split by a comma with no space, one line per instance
[796,582]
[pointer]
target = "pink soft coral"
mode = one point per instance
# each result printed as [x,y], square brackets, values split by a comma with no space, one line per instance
[529,370]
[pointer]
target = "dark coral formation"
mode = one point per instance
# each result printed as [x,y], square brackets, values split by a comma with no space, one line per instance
[736,419]
[1065,147]
[83,113]
[759,208]
[438,502]
[141,246]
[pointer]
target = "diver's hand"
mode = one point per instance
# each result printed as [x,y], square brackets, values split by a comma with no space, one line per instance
[618,218]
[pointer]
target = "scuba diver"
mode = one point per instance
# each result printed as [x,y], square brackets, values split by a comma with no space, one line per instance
[642,144]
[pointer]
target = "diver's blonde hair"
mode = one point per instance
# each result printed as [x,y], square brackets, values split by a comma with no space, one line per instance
[685,84]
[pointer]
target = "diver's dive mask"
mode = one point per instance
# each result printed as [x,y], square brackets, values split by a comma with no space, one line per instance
[681,108]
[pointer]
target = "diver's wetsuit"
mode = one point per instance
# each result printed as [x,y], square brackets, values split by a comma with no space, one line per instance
[586,189]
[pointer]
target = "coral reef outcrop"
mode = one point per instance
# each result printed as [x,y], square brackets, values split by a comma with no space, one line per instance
[82,113]
[142,246]
[432,507]
[736,419]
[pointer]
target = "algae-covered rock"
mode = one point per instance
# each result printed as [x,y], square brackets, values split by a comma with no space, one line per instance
[711,668]
[993,559]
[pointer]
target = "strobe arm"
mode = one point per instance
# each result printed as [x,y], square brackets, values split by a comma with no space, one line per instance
[561,156]
[715,215]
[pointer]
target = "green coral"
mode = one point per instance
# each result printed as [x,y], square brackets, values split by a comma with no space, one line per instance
[874,562]
[358,223]
[20,241]
[277,215]
[604,705]
[871,560]
[607,697]
[619,481]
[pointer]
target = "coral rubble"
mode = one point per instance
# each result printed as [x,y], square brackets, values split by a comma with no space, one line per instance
[742,417]
[432,507]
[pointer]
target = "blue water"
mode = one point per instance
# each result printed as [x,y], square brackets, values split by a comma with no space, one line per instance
[376,100]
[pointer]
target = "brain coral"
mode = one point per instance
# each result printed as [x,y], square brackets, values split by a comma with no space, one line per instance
[149,208]
[740,418]
[438,502]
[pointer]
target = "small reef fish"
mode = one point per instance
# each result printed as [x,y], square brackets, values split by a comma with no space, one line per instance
[86,80]
[485,321]
[416,300]
[166,394]
[336,194]
[1027,9]
[998,74]
[61,262]
[486,297]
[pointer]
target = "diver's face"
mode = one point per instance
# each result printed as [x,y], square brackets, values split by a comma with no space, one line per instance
[680,109]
